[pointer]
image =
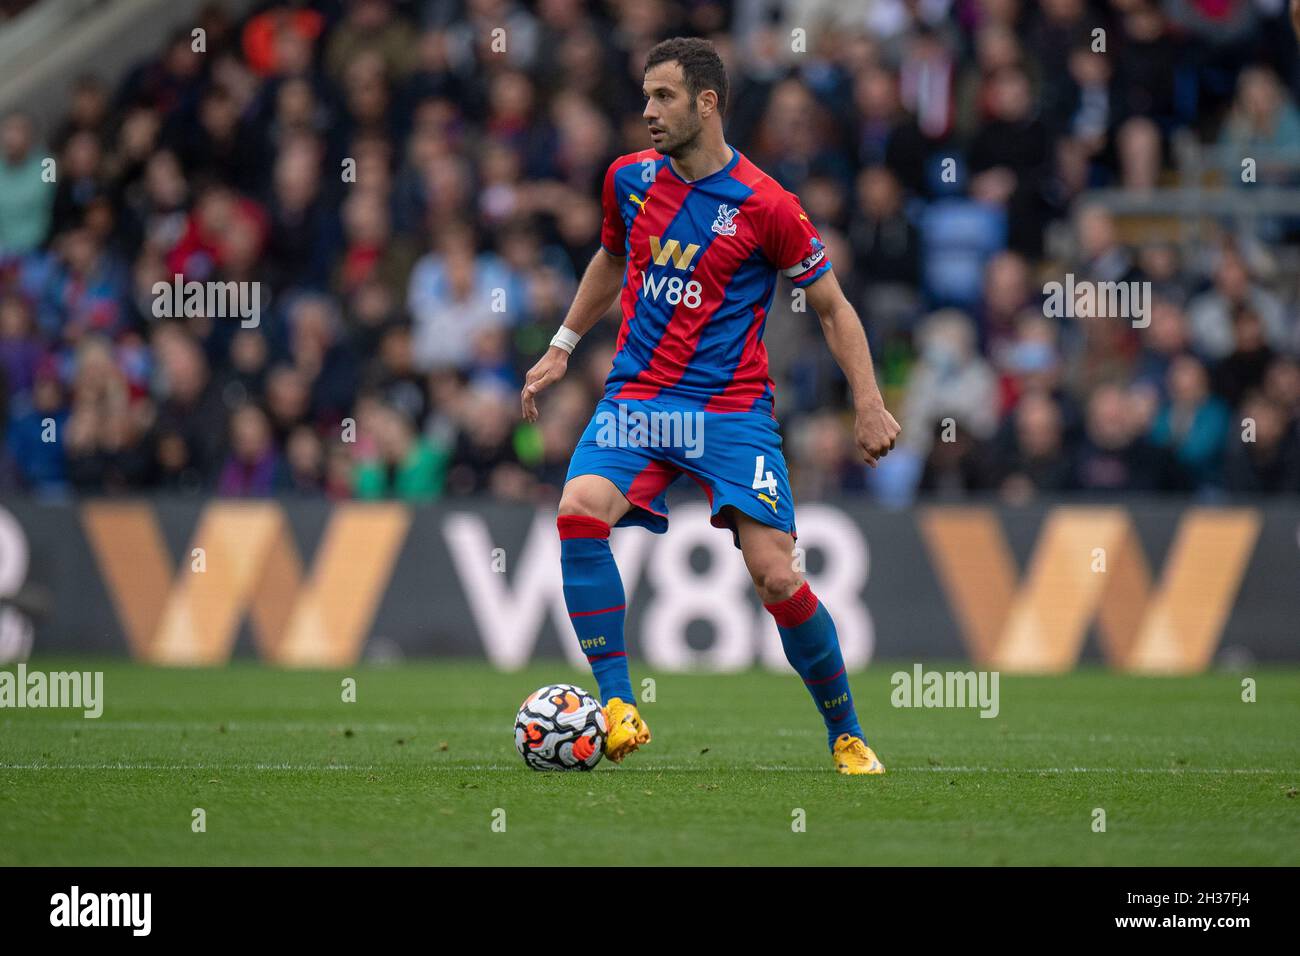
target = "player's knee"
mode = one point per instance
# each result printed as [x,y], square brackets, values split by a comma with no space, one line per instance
[775,582]
[583,502]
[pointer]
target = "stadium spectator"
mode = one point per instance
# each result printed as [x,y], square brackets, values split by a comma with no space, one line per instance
[1006,296]
[302,239]
[102,443]
[950,381]
[1268,463]
[1243,370]
[21,347]
[1032,364]
[1211,313]
[1030,454]
[79,180]
[829,468]
[1282,385]
[887,135]
[304,466]
[1147,65]
[371,252]
[1162,341]
[37,464]
[955,466]
[83,288]
[26,192]
[253,468]
[1010,161]
[321,355]
[1264,118]
[404,465]
[1192,424]
[288,399]
[191,415]
[1114,454]
[451,300]
[886,251]
[154,207]
[485,458]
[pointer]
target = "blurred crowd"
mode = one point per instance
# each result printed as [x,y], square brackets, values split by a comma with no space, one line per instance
[11,8]
[415,186]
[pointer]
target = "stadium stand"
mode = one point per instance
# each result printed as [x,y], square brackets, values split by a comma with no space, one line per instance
[416,195]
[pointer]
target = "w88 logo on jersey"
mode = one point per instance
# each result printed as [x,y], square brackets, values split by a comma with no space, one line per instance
[672,290]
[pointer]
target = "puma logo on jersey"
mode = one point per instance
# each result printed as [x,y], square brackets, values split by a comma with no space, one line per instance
[638,200]
[672,251]
[770,501]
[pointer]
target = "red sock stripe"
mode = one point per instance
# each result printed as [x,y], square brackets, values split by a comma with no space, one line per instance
[581,526]
[826,680]
[601,657]
[603,610]
[795,609]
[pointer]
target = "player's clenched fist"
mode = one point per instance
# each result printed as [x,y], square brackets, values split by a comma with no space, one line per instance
[876,431]
[549,368]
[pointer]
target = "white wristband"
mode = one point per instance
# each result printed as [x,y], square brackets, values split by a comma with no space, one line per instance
[566,339]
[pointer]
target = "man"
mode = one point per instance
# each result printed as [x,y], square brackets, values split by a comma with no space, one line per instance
[706,233]
[26,198]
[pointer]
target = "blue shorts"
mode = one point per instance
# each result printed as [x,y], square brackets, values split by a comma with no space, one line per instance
[643,446]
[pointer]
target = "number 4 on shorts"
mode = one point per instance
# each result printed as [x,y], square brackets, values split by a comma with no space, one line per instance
[767,481]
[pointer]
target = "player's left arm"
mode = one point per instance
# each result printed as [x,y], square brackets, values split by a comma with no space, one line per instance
[875,429]
[792,244]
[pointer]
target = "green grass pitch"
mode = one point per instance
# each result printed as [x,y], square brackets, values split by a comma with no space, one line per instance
[418,768]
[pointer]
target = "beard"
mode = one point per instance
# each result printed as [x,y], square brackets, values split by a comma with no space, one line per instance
[683,142]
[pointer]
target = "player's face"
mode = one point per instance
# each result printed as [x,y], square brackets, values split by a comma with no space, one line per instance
[670,110]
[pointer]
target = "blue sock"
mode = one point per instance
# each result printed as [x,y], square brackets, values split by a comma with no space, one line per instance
[813,650]
[593,592]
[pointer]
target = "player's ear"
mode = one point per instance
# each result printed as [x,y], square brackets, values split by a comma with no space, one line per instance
[707,103]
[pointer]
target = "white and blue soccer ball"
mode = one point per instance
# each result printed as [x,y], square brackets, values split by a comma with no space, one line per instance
[560,727]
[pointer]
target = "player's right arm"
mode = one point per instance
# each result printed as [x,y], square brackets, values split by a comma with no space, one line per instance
[596,293]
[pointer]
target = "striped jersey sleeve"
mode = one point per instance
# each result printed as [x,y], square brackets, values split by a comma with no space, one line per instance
[613,230]
[792,243]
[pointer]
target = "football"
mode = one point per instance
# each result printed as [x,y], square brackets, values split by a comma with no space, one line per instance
[560,727]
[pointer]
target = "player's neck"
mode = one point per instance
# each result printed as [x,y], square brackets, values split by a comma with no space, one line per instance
[704,160]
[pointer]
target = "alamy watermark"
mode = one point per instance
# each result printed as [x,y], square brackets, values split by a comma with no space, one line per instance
[922,688]
[634,428]
[1085,299]
[75,908]
[179,299]
[80,690]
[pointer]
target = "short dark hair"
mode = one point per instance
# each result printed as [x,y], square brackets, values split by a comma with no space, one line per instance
[701,66]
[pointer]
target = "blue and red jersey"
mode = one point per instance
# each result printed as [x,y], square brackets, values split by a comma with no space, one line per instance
[702,265]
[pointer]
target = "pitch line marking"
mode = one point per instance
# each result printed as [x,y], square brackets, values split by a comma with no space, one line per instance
[477,768]
[230,725]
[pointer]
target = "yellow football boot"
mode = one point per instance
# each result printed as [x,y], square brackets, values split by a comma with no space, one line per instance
[627,730]
[852,755]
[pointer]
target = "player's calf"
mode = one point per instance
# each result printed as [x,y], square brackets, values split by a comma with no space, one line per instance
[593,593]
[813,649]
[807,632]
